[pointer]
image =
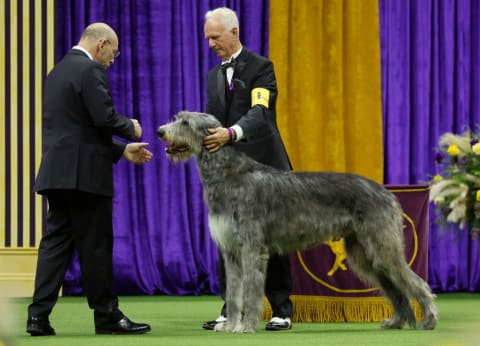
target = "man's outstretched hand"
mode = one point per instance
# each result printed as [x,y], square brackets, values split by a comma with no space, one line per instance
[137,153]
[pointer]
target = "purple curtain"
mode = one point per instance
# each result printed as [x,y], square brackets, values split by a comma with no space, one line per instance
[430,85]
[162,244]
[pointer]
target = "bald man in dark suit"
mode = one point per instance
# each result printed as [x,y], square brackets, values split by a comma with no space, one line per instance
[76,177]
[242,93]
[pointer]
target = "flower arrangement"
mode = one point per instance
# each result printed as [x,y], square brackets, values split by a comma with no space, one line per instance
[455,191]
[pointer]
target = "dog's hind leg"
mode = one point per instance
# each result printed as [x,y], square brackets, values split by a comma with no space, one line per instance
[233,294]
[402,311]
[420,291]
[254,262]
[369,270]
[390,262]
[430,312]
[406,280]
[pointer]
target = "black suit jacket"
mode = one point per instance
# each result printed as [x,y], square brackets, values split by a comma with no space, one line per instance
[261,139]
[78,123]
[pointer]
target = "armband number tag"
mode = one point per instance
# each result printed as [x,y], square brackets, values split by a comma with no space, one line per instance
[260,96]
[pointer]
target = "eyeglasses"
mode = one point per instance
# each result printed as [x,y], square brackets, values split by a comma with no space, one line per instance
[116,54]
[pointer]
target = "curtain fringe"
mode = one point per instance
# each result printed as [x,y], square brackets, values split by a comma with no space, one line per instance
[339,309]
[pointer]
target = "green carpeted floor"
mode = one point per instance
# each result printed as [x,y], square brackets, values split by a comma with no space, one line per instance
[177,321]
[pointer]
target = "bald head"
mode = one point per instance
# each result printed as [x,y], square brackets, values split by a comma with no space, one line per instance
[97,31]
[101,41]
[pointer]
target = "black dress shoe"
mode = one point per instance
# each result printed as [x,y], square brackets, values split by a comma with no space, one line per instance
[39,327]
[277,323]
[123,326]
[210,325]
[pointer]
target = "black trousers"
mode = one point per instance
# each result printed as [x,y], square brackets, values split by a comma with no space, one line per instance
[278,285]
[81,221]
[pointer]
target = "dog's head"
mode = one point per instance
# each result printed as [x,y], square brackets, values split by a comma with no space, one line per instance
[184,135]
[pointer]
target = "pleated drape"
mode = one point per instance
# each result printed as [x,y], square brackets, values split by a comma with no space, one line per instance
[329,105]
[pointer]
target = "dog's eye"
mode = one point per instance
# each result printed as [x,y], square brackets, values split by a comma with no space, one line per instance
[184,122]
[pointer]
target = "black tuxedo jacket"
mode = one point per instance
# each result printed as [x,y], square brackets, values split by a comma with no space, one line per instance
[78,123]
[261,139]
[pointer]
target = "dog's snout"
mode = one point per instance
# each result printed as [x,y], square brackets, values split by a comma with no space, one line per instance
[160,132]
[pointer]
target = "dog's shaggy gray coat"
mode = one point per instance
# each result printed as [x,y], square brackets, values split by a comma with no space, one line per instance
[256,210]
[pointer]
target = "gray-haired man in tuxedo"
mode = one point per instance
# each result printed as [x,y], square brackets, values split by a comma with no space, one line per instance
[242,94]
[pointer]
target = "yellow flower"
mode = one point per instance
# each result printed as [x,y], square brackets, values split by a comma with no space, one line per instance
[453,150]
[439,200]
[476,148]
[437,178]
[477,195]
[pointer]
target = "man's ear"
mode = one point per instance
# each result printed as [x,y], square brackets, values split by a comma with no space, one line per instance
[103,42]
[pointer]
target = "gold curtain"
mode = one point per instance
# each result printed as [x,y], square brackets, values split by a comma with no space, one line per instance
[327,60]
[26,55]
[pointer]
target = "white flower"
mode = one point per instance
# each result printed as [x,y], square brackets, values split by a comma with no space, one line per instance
[461,142]
[476,148]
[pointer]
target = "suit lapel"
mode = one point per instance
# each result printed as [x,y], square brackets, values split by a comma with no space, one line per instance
[241,62]
[221,87]
[221,82]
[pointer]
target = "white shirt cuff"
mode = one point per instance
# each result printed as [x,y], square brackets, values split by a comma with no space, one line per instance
[238,132]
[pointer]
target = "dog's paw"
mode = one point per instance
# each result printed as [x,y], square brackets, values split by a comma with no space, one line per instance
[428,323]
[220,327]
[393,323]
[243,329]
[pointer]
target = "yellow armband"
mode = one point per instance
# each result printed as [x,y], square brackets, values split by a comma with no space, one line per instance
[260,96]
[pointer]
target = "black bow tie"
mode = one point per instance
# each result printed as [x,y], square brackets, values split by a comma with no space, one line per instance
[226,65]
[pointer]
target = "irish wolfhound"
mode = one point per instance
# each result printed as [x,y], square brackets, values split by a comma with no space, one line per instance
[256,210]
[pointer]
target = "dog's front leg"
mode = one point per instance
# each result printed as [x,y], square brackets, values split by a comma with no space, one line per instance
[254,262]
[233,294]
